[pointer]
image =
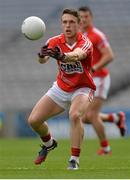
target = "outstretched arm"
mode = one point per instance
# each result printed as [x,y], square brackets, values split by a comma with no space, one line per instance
[43,60]
[76,55]
[43,55]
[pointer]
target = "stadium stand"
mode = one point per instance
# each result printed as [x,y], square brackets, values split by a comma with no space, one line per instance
[23,81]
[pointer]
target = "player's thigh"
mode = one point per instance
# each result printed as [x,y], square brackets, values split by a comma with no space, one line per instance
[96,104]
[45,108]
[79,105]
[93,109]
[102,86]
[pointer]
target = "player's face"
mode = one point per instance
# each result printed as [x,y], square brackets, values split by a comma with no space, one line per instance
[70,25]
[85,19]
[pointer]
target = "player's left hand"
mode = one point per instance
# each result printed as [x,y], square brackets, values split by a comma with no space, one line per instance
[93,70]
[56,53]
[43,52]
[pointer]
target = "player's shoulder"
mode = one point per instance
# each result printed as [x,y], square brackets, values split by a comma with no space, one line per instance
[54,39]
[86,40]
[85,44]
[98,33]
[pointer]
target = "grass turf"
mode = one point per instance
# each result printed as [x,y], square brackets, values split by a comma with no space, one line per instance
[17,155]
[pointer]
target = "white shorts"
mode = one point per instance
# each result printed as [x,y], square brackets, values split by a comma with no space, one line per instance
[102,86]
[63,98]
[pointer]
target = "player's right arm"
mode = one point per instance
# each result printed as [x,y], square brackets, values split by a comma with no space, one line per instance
[43,60]
[43,55]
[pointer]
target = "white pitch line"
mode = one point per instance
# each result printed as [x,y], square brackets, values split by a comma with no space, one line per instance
[17,168]
[36,168]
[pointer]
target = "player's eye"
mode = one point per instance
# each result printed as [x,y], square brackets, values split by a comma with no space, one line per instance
[64,22]
[68,22]
[72,22]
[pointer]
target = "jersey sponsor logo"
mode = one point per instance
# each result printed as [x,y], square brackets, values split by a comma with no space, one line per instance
[71,68]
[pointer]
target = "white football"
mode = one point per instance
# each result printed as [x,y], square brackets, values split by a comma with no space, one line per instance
[33,28]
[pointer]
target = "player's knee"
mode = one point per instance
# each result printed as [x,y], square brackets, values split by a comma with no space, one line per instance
[74,116]
[33,121]
[89,117]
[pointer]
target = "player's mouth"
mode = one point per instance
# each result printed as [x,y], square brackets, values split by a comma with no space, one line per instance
[68,31]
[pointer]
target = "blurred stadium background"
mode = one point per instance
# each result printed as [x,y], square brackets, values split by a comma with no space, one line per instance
[23,80]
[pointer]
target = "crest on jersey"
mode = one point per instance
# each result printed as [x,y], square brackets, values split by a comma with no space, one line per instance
[70,68]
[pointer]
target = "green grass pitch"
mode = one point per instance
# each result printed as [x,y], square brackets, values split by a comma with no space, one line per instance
[17,155]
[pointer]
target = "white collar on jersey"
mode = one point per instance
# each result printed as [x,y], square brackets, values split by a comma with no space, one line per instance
[71,46]
[85,34]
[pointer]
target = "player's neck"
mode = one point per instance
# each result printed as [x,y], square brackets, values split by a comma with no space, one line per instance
[89,27]
[83,30]
[71,40]
[86,28]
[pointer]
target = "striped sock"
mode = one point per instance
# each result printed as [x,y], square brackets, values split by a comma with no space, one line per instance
[105,145]
[48,141]
[112,117]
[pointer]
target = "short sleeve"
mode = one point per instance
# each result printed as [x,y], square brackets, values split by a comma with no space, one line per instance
[86,45]
[51,43]
[102,41]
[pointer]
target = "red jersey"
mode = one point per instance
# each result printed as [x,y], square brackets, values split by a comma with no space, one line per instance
[98,40]
[74,75]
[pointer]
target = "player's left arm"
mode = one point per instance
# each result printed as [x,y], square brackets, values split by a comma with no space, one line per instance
[77,55]
[106,58]
[81,52]
[105,49]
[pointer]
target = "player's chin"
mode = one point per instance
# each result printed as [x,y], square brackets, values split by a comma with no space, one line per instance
[68,34]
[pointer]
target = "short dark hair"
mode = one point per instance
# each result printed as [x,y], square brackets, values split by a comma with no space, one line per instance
[85,8]
[72,12]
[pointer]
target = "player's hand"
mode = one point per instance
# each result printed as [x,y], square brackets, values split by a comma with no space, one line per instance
[93,70]
[43,52]
[56,54]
